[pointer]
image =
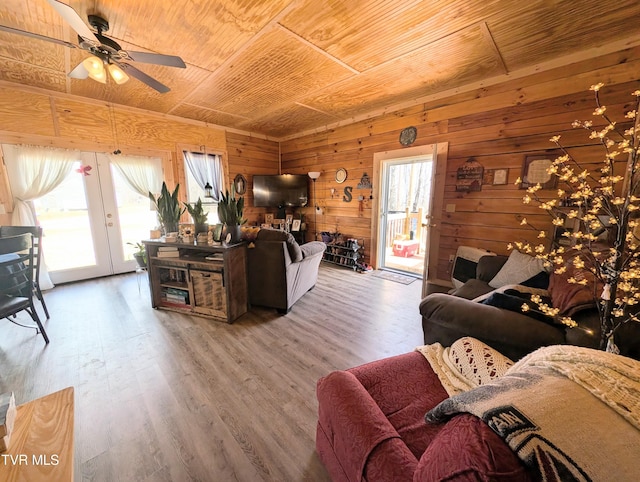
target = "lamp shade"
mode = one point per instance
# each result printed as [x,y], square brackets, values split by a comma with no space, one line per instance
[95,67]
[314,175]
[117,74]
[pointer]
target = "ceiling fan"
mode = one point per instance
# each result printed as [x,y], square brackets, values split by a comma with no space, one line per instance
[106,54]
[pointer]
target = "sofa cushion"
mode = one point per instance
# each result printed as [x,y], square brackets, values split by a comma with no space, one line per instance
[488,266]
[293,247]
[471,289]
[518,268]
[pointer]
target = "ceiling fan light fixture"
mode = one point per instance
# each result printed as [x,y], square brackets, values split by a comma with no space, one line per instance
[94,65]
[99,77]
[117,74]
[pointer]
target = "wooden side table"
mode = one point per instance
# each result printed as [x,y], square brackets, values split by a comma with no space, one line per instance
[41,447]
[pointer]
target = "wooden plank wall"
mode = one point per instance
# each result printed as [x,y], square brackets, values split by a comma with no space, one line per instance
[498,126]
[250,155]
[40,117]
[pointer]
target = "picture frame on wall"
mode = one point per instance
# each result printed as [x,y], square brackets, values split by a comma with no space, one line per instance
[534,171]
[268,218]
[296,225]
[500,176]
[289,218]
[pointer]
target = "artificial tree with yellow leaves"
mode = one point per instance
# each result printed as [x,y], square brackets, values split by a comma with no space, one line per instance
[599,201]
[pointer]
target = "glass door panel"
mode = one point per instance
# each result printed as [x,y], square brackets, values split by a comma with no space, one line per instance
[64,215]
[72,223]
[129,216]
[404,207]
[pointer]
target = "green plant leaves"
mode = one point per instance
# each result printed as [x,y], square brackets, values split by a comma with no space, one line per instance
[167,205]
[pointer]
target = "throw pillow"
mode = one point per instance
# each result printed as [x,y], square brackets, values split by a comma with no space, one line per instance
[488,266]
[249,233]
[570,298]
[518,268]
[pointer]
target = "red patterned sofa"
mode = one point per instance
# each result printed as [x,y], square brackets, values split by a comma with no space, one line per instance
[371,427]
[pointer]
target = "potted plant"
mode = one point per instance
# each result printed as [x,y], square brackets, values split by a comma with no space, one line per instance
[168,208]
[230,212]
[198,215]
[140,255]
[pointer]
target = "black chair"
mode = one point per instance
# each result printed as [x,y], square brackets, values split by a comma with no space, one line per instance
[36,232]
[16,280]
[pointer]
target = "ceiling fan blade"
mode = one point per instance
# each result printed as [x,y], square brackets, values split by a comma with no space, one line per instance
[157,59]
[142,77]
[73,19]
[37,36]
[80,72]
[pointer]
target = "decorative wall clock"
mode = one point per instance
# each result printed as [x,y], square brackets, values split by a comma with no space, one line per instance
[408,136]
[341,175]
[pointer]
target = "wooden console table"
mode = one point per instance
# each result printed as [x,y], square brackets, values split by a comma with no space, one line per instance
[41,447]
[202,280]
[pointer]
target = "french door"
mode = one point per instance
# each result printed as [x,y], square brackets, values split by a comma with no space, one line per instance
[89,219]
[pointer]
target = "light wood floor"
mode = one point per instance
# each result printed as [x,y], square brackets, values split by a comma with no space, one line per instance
[167,397]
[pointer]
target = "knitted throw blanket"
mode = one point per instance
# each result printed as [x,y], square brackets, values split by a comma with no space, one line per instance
[569,413]
[467,364]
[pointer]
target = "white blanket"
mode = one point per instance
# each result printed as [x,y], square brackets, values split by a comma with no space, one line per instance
[569,413]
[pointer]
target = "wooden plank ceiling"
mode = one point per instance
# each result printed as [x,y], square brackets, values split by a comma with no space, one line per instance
[284,67]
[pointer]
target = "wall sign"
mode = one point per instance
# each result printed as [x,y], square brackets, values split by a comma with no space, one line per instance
[365,182]
[469,176]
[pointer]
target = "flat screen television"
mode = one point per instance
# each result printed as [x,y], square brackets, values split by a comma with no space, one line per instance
[284,190]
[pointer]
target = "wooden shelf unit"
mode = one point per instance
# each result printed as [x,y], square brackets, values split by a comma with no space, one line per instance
[191,283]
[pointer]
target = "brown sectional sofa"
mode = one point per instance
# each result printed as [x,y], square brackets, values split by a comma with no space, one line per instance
[448,317]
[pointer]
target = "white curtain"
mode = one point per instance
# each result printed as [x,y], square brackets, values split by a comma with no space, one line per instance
[33,172]
[142,174]
[206,168]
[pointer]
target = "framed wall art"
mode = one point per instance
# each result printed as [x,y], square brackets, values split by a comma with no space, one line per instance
[240,184]
[495,176]
[534,171]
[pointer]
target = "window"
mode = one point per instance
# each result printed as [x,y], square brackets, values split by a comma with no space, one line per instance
[203,171]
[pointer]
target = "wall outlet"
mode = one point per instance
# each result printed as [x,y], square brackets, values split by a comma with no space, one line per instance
[451,258]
